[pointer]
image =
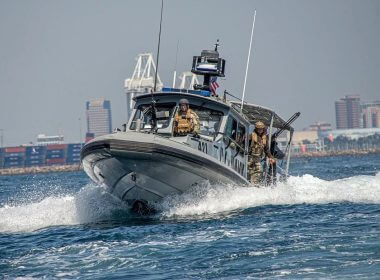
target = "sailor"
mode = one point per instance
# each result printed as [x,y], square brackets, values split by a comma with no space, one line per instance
[259,147]
[186,120]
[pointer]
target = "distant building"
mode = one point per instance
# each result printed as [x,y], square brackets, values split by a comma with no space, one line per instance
[98,114]
[348,112]
[352,133]
[43,139]
[320,126]
[371,114]
[89,137]
[305,137]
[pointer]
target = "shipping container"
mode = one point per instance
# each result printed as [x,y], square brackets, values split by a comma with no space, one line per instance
[55,161]
[15,150]
[55,151]
[73,153]
[35,163]
[13,161]
[13,164]
[32,150]
[73,158]
[75,145]
[14,158]
[73,161]
[76,154]
[41,160]
[55,156]
[32,157]
[57,147]
[13,155]
[75,150]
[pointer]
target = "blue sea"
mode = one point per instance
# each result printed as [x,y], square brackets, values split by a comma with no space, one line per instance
[323,223]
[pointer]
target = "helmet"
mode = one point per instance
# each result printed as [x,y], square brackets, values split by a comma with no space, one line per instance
[183,101]
[259,124]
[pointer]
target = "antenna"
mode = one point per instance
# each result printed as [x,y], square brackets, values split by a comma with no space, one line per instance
[217,45]
[175,67]
[249,54]
[158,47]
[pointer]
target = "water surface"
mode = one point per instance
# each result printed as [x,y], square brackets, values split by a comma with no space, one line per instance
[322,223]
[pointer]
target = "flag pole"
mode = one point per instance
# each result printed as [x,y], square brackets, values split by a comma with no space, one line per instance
[249,54]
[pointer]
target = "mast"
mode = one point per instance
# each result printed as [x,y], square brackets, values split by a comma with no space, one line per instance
[249,54]
[175,66]
[158,47]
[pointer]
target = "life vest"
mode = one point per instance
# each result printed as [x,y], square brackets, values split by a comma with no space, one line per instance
[185,123]
[258,144]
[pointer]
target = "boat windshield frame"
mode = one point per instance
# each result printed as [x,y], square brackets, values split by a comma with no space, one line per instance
[196,103]
[143,113]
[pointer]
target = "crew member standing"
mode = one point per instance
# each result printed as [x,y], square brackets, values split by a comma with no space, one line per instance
[259,147]
[186,120]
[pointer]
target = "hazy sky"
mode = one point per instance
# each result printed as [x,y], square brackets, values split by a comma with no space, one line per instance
[56,55]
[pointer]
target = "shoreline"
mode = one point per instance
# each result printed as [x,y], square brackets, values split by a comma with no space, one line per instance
[77,167]
[40,169]
[337,153]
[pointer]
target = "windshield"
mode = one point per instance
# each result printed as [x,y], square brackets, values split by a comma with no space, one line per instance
[164,112]
[209,120]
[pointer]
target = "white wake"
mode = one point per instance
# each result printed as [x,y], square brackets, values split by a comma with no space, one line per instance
[92,203]
[214,199]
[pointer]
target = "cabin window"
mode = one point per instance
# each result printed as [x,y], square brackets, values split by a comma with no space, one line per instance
[236,132]
[163,115]
[231,128]
[209,120]
[240,138]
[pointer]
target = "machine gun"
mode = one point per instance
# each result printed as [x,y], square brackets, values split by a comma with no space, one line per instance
[151,111]
[274,149]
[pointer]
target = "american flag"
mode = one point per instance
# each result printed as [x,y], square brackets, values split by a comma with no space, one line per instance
[213,85]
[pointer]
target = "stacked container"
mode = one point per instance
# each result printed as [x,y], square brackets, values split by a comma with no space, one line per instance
[35,155]
[73,153]
[1,158]
[13,157]
[56,154]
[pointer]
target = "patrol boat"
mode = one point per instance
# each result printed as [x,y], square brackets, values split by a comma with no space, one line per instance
[148,162]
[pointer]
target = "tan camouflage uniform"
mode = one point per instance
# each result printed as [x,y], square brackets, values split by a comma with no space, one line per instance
[258,148]
[186,121]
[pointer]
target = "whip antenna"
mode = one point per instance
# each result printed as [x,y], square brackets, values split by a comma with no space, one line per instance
[158,47]
[249,54]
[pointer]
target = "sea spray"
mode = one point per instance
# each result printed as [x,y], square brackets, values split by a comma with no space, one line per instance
[94,204]
[213,199]
[91,204]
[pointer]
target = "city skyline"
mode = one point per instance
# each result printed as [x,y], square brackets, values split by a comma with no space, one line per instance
[57,55]
[99,117]
[347,112]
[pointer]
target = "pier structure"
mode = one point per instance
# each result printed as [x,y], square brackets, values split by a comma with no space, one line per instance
[142,80]
[188,80]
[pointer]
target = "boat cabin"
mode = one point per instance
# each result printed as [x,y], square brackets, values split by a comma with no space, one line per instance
[224,127]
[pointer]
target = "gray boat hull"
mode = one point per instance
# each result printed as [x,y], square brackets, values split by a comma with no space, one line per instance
[148,167]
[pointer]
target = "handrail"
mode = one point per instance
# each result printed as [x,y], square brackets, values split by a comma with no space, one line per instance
[240,147]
